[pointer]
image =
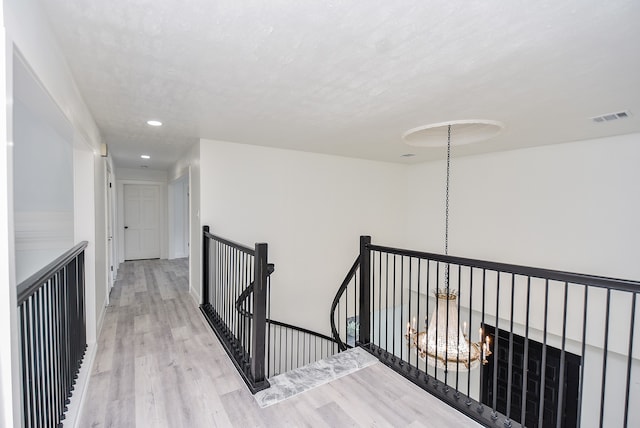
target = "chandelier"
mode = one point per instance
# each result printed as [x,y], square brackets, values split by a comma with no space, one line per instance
[444,344]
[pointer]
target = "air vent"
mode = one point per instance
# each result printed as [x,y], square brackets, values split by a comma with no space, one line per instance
[611,116]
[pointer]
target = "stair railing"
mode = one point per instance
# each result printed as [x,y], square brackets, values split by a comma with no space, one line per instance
[236,301]
[559,346]
[342,316]
[53,337]
[288,346]
[228,270]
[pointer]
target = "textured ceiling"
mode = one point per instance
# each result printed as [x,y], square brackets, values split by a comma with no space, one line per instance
[348,77]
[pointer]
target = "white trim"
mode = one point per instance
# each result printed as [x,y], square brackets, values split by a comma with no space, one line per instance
[76,405]
[195,296]
[74,412]
[43,230]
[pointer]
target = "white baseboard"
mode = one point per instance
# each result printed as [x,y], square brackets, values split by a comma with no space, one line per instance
[100,322]
[195,296]
[72,417]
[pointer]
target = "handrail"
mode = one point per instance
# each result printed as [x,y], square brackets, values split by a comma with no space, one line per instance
[301,329]
[334,331]
[244,248]
[245,294]
[554,275]
[30,285]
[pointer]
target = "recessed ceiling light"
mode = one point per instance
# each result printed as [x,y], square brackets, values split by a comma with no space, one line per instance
[154,123]
[145,156]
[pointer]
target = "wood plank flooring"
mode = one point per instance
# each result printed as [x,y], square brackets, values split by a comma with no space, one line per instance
[159,365]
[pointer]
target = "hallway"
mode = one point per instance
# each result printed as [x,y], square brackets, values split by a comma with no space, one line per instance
[159,365]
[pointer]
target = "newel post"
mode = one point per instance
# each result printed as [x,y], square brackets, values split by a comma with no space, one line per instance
[205,265]
[259,320]
[365,291]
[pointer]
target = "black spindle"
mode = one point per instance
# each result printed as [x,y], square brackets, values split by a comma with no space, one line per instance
[605,351]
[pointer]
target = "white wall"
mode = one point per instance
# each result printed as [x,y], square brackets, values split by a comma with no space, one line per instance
[43,176]
[29,34]
[310,209]
[189,165]
[571,207]
[9,366]
[179,217]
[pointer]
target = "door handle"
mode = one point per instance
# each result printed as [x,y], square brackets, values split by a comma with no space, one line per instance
[126,227]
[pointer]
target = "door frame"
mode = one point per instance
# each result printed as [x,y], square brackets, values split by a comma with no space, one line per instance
[110,219]
[179,187]
[162,219]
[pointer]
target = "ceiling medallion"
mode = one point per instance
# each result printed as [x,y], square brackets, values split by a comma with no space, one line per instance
[467,132]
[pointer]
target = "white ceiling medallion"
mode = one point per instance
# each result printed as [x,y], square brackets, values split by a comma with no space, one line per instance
[465,131]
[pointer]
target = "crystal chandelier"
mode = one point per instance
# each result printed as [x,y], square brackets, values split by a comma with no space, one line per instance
[443,344]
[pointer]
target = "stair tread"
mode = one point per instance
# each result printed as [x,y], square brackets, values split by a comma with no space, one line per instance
[294,382]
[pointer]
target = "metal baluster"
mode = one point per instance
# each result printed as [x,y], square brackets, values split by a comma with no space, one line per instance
[584,342]
[380,299]
[484,332]
[26,345]
[435,314]
[401,304]
[386,311]
[562,359]
[629,358]
[346,314]
[446,332]
[426,314]
[393,324]
[507,422]
[457,394]
[417,326]
[525,370]
[356,314]
[468,402]
[48,375]
[268,325]
[496,339]
[280,353]
[544,354]
[604,359]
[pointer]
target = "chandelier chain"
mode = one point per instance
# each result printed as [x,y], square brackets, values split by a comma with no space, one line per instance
[446,216]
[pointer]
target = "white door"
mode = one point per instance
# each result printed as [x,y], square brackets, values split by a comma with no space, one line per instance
[141,221]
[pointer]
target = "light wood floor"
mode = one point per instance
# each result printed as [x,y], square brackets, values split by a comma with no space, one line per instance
[159,365]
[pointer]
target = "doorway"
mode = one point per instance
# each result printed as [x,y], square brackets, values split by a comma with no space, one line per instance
[141,221]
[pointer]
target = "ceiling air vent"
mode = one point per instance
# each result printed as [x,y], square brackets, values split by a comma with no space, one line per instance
[611,116]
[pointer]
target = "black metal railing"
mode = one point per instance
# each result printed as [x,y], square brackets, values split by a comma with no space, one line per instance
[52,337]
[287,346]
[237,305]
[290,347]
[229,269]
[345,310]
[561,345]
